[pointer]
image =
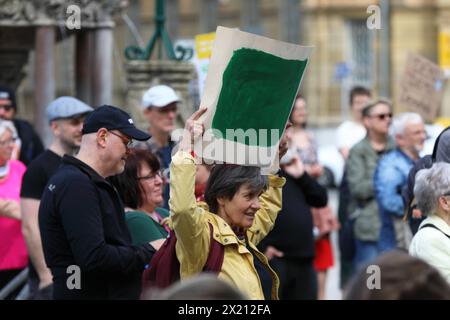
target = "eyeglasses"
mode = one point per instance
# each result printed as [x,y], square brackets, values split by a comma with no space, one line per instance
[126,141]
[7,142]
[382,116]
[6,107]
[152,176]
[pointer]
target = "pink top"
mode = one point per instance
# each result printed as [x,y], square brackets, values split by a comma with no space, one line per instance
[13,251]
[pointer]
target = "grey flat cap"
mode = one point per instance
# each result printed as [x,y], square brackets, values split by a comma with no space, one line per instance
[66,107]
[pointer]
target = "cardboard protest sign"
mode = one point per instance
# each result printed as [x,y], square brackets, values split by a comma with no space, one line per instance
[422,87]
[250,89]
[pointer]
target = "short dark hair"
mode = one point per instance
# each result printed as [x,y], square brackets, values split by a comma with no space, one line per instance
[367,109]
[226,179]
[359,91]
[127,183]
[402,277]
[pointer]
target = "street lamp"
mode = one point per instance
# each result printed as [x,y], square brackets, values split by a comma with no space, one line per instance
[161,35]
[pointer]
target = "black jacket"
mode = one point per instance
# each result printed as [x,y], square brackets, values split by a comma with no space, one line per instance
[82,223]
[293,230]
[31,143]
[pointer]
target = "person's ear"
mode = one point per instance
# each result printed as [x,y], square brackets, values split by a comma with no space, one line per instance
[55,127]
[147,111]
[366,122]
[102,135]
[399,138]
[444,203]
[221,201]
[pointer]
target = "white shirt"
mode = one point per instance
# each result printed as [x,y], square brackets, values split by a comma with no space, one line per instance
[349,133]
[432,245]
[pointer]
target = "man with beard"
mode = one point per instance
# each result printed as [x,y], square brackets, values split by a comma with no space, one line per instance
[65,116]
[86,243]
[391,175]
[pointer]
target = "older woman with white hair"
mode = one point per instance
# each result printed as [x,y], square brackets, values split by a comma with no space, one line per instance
[432,242]
[13,252]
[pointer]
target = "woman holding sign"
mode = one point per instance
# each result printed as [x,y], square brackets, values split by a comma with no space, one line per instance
[241,208]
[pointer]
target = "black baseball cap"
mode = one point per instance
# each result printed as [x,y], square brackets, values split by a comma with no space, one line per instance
[113,118]
[7,93]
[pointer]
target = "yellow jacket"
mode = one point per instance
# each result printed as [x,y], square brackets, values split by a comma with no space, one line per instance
[189,220]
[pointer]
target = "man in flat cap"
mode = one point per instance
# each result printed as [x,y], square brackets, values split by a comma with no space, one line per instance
[85,239]
[65,116]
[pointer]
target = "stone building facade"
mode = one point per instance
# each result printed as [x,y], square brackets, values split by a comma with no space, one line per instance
[346,51]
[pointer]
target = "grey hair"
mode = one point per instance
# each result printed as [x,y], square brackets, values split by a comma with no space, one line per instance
[430,184]
[8,125]
[400,122]
[226,179]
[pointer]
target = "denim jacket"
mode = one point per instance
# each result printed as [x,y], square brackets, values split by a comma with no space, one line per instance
[391,174]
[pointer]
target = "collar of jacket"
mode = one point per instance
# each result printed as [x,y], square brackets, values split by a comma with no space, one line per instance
[223,233]
[83,167]
[390,144]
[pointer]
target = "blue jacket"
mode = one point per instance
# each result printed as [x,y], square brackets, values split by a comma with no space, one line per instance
[391,174]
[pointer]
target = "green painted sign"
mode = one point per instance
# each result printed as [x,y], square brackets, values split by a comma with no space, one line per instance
[257,93]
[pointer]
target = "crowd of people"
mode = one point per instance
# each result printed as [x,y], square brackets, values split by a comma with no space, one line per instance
[106,200]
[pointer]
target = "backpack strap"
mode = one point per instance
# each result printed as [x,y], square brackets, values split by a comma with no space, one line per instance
[216,254]
[429,225]
[164,267]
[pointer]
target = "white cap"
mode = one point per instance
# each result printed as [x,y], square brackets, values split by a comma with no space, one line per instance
[159,96]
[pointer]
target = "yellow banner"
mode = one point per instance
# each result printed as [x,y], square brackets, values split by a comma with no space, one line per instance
[444,49]
[203,45]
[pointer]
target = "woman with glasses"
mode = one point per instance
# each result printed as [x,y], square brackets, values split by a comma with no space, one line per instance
[13,252]
[140,187]
[432,242]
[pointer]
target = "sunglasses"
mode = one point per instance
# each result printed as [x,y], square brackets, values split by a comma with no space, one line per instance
[382,116]
[6,107]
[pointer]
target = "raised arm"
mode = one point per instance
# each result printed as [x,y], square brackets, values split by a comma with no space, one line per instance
[188,219]
[271,201]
